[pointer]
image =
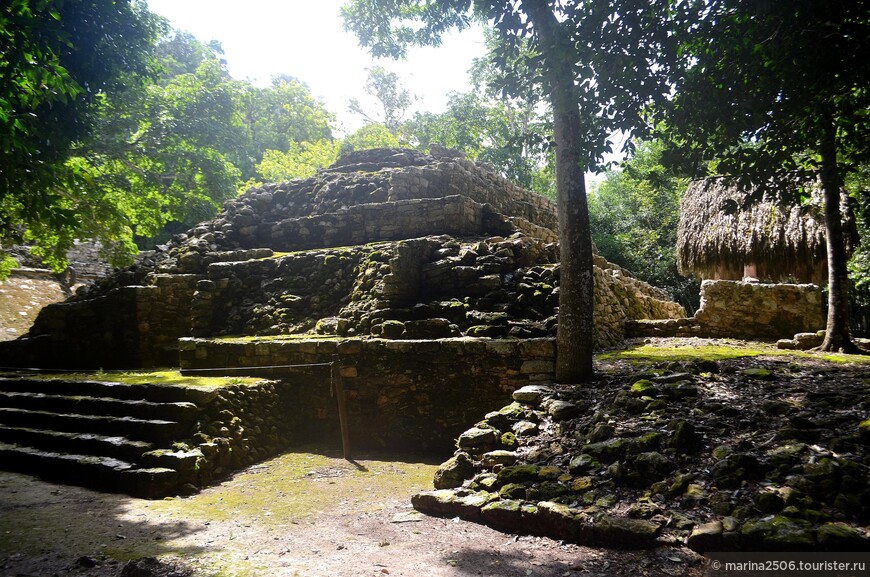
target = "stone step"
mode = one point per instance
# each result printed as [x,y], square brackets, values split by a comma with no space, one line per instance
[77,443]
[95,472]
[180,411]
[108,389]
[154,430]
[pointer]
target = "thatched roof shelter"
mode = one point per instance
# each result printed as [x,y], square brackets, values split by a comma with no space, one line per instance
[729,230]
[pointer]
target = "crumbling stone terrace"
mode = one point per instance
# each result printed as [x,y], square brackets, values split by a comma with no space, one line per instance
[430,282]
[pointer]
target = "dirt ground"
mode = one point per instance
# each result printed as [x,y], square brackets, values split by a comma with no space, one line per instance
[306,514]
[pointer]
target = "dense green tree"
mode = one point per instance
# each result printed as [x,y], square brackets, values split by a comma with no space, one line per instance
[283,114]
[58,58]
[179,52]
[600,63]
[300,161]
[166,153]
[304,159]
[373,135]
[634,213]
[777,87]
[393,99]
[496,132]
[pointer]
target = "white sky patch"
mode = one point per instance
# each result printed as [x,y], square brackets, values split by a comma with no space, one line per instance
[305,39]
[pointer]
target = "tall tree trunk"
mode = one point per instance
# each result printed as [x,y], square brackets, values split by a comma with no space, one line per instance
[574,337]
[837,337]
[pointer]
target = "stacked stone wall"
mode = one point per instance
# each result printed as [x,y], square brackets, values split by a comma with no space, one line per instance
[460,176]
[284,294]
[759,311]
[364,261]
[130,326]
[240,425]
[409,394]
[619,298]
[361,224]
[745,310]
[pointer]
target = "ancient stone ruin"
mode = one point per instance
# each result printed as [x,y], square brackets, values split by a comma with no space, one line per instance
[761,257]
[393,244]
[428,285]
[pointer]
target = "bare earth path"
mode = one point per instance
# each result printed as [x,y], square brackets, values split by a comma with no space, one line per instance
[306,514]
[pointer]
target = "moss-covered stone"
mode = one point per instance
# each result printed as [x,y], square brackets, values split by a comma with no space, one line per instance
[768,502]
[476,438]
[546,491]
[759,374]
[518,474]
[625,533]
[583,463]
[560,522]
[453,472]
[549,473]
[840,537]
[778,533]
[582,484]
[508,439]
[646,468]
[685,438]
[643,388]
[512,491]
[503,514]
[504,418]
[734,469]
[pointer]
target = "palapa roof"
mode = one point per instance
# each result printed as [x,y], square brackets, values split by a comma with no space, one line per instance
[725,225]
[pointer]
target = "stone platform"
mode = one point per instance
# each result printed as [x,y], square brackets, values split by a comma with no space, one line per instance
[146,439]
[401,394]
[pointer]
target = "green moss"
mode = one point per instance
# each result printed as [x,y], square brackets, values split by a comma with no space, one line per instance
[652,353]
[518,474]
[276,338]
[643,387]
[297,485]
[840,358]
[656,354]
[168,377]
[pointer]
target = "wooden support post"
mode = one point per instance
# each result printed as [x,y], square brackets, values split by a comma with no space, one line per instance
[338,387]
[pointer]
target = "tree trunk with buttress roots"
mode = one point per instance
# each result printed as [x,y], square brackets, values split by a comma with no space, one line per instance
[574,337]
[837,337]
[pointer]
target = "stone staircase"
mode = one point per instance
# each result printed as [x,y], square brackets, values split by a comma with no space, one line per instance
[102,435]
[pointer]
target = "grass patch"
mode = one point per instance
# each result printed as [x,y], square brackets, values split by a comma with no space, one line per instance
[276,338]
[839,358]
[654,353]
[167,377]
[717,352]
[297,485]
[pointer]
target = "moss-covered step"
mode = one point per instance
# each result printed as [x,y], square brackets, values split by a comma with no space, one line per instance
[181,411]
[101,473]
[157,430]
[76,443]
[158,387]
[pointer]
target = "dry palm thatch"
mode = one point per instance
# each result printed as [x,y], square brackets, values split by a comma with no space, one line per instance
[727,227]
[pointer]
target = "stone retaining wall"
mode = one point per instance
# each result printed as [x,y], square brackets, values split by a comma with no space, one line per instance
[160,314]
[744,310]
[619,297]
[461,176]
[400,394]
[240,425]
[361,224]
